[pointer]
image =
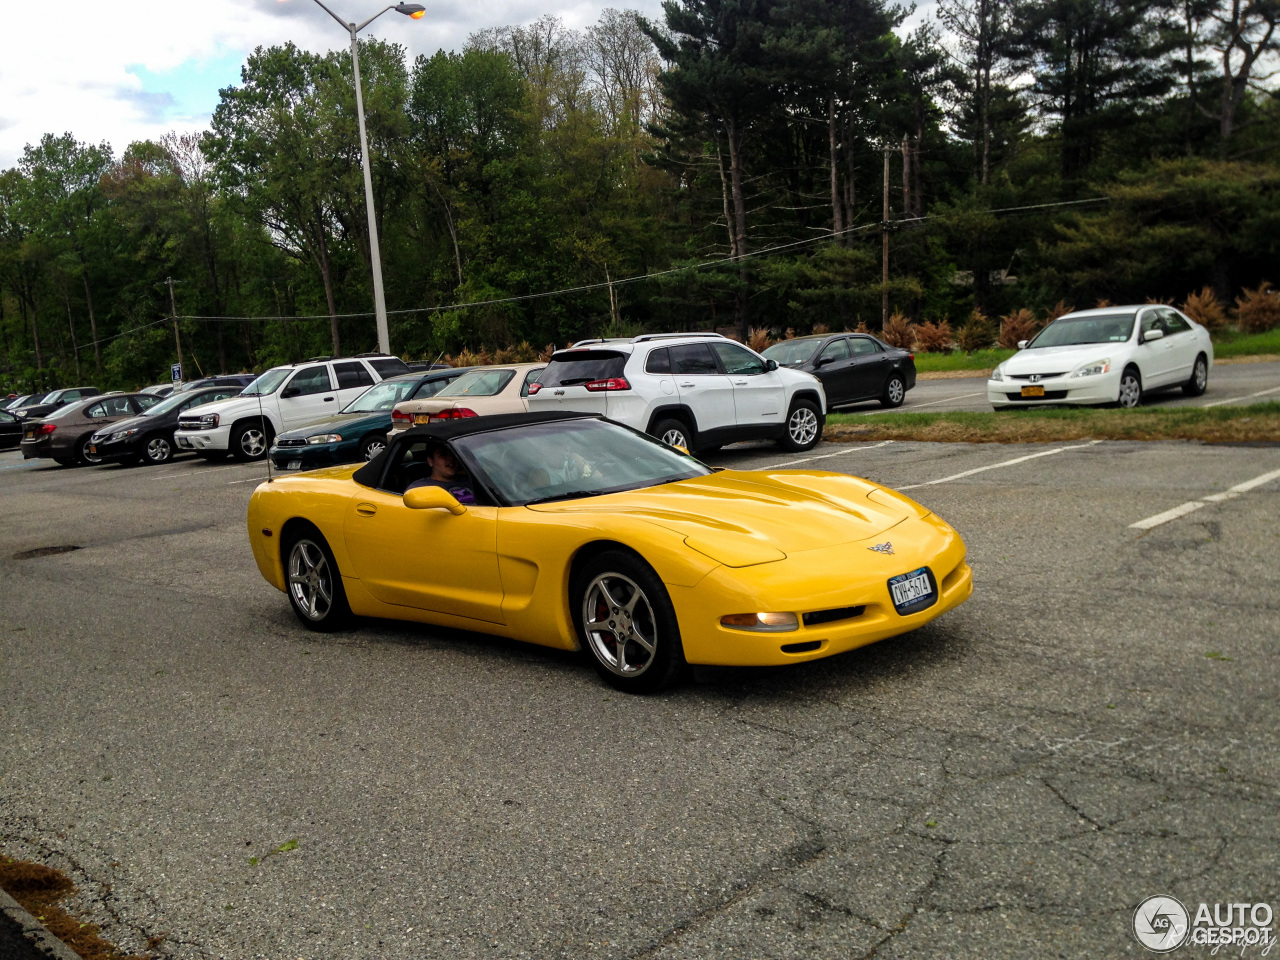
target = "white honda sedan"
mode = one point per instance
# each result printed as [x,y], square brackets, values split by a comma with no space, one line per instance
[1108,355]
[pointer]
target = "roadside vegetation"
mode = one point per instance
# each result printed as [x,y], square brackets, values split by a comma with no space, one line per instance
[1258,422]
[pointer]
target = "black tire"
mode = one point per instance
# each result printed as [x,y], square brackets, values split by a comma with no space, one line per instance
[895,391]
[251,440]
[1199,382]
[803,429]
[313,582]
[1130,389]
[157,449]
[82,452]
[372,445]
[606,592]
[674,433]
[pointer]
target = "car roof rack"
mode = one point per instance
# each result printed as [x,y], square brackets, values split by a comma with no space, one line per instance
[376,354]
[311,360]
[644,337]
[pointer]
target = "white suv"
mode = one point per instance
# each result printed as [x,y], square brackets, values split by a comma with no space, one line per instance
[279,400]
[698,391]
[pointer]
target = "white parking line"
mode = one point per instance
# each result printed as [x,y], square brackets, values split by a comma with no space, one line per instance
[1191,506]
[1260,393]
[249,480]
[825,456]
[934,403]
[997,466]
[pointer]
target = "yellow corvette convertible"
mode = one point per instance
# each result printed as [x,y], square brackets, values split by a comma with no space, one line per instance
[585,534]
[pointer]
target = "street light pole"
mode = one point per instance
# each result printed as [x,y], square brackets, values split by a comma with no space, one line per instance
[415,11]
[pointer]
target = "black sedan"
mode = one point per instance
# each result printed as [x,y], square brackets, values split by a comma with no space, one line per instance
[852,367]
[10,430]
[149,438]
[54,401]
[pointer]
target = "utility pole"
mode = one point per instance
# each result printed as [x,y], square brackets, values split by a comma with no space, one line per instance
[884,253]
[173,315]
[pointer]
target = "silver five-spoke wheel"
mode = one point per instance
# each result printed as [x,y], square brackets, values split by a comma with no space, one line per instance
[310,580]
[1130,390]
[802,425]
[253,443]
[158,450]
[620,624]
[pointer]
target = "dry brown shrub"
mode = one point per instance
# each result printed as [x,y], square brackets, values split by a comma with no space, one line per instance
[1204,309]
[862,327]
[758,339]
[1164,303]
[1019,325]
[524,353]
[467,357]
[789,335]
[1059,309]
[544,355]
[1103,302]
[977,333]
[898,332]
[934,337]
[505,355]
[820,329]
[1258,310]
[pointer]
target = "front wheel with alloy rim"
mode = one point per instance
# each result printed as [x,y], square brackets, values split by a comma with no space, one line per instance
[673,433]
[157,450]
[1199,381]
[82,452]
[1130,389]
[895,391]
[625,621]
[313,582]
[249,441]
[803,427]
[370,447]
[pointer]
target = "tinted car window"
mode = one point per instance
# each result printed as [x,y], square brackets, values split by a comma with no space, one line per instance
[96,411]
[1173,323]
[146,401]
[835,350]
[1151,321]
[862,346]
[792,353]
[389,366]
[352,375]
[738,359]
[310,380]
[583,366]
[659,361]
[429,388]
[693,358]
[530,377]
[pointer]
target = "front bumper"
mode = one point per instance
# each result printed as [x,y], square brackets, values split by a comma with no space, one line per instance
[127,449]
[849,575]
[312,456]
[1104,388]
[196,441]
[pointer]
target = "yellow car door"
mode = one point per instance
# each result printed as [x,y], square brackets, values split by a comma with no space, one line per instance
[429,559]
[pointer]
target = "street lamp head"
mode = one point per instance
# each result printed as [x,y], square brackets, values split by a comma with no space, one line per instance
[415,11]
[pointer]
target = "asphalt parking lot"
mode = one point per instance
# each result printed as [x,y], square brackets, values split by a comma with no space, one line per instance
[1095,726]
[1229,384]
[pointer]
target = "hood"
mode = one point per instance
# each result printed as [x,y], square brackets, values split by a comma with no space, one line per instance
[222,406]
[1061,359]
[741,518]
[118,425]
[333,424]
[795,375]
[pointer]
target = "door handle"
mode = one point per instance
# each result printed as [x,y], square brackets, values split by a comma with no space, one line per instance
[328,399]
[366,509]
[688,384]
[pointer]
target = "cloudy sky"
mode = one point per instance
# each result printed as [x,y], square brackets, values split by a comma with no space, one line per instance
[135,69]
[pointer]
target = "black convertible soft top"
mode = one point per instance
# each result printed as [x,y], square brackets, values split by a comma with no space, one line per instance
[446,430]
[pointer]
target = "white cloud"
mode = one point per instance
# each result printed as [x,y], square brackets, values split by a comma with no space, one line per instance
[136,69]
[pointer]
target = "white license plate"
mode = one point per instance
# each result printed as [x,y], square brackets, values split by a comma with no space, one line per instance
[912,591]
[294,465]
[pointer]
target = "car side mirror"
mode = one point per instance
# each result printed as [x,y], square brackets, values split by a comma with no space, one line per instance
[771,365]
[433,498]
[1153,334]
[291,392]
[823,361]
[1022,344]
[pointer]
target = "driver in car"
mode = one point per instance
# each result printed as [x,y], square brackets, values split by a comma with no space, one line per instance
[446,472]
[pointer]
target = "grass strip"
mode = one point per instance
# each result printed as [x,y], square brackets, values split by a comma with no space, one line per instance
[1259,422]
[1232,344]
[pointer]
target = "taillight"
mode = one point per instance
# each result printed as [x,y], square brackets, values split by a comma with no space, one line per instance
[47,428]
[457,413]
[534,388]
[911,356]
[399,416]
[613,383]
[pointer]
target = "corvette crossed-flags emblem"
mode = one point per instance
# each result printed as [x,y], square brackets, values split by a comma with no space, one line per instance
[885,547]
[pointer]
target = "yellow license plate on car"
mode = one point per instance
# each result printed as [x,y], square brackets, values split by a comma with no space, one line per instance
[1033,391]
[93,449]
[422,418]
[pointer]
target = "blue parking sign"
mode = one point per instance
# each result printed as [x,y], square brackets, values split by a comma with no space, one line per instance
[176,372]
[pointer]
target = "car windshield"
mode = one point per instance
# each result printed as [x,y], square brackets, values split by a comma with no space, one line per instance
[172,403]
[792,353]
[381,396]
[570,459]
[1099,328]
[47,398]
[478,383]
[267,383]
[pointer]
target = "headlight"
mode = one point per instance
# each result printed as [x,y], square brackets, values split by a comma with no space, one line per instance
[209,421]
[325,438]
[124,433]
[762,622]
[996,374]
[1094,369]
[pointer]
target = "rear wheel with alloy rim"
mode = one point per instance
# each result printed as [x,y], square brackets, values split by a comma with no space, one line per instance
[1130,389]
[895,391]
[370,447]
[249,441]
[82,452]
[803,428]
[157,450]
[626,622]
[673,433]
[313,582]
[1199,381]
